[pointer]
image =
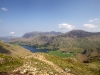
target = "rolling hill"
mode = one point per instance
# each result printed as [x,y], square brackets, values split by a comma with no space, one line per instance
[17,60]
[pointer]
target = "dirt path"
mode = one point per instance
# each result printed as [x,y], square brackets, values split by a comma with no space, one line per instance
[42,58]
[27,66]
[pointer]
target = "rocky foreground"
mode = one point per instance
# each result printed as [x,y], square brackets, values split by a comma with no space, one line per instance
[32,68]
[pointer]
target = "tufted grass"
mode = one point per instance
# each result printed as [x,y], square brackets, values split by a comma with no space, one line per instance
[75,66]
[9,63]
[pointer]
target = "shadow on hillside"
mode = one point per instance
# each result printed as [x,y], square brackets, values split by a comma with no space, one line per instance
[3,50]
[88,55]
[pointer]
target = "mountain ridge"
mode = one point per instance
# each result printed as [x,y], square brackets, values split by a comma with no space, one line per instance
[71,40]
[80,33]
[37,33]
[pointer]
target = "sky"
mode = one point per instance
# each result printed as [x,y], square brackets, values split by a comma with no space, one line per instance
[18,17]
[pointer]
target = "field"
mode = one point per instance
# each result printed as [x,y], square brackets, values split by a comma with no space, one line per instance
[61,53]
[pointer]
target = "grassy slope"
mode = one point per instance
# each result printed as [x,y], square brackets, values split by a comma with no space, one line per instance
[60,53]
[10,56]
[13,50]
[8,63]
[75,66]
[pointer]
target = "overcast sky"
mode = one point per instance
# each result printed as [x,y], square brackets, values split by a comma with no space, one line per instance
[20,16]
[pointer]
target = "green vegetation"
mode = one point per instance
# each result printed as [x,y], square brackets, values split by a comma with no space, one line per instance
[75,66]
[41,66]
[75,44]
[74,41]
[13,50]
[8,63]
[61,53]
[67,50]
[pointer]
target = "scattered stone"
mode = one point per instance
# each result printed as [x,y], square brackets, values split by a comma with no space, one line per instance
[51,73]
[2,60]
[67,70]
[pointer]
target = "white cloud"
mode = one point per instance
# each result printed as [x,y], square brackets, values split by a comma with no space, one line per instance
[96,19]
[90,26]
[12,33]
[90,20]
[4,9]
[66,26]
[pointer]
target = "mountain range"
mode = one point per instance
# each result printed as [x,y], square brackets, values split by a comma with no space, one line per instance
[76,41]
[37,33]
[72,40]
[85,47]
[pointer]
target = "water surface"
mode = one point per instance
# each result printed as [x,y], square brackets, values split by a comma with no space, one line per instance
[34,49]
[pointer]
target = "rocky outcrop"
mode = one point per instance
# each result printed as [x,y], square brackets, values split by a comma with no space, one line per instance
[28,69]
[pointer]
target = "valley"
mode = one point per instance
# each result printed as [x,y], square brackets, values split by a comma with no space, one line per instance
[73,53]
[49,37]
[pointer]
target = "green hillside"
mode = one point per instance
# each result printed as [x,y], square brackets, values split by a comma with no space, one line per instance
[15,60]
[74,43]
[13,50]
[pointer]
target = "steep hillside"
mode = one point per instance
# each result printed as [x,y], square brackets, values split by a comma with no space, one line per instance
[43,64]
[13,50]
[22,62]
[88,56]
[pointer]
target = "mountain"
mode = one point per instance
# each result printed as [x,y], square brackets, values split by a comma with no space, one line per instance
[36,34]
[72,41]
[35,38]
[80,34]
[76,40]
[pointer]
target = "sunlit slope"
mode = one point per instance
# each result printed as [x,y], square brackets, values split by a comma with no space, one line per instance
[13,50]
[76,41]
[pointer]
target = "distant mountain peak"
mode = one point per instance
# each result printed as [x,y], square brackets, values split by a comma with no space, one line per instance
[38,33]
[80,33]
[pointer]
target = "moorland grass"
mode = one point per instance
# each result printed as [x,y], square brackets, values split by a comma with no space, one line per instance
[75,66]
[60,53]
[8,63]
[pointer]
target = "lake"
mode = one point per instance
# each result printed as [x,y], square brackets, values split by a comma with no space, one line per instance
[34,49]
